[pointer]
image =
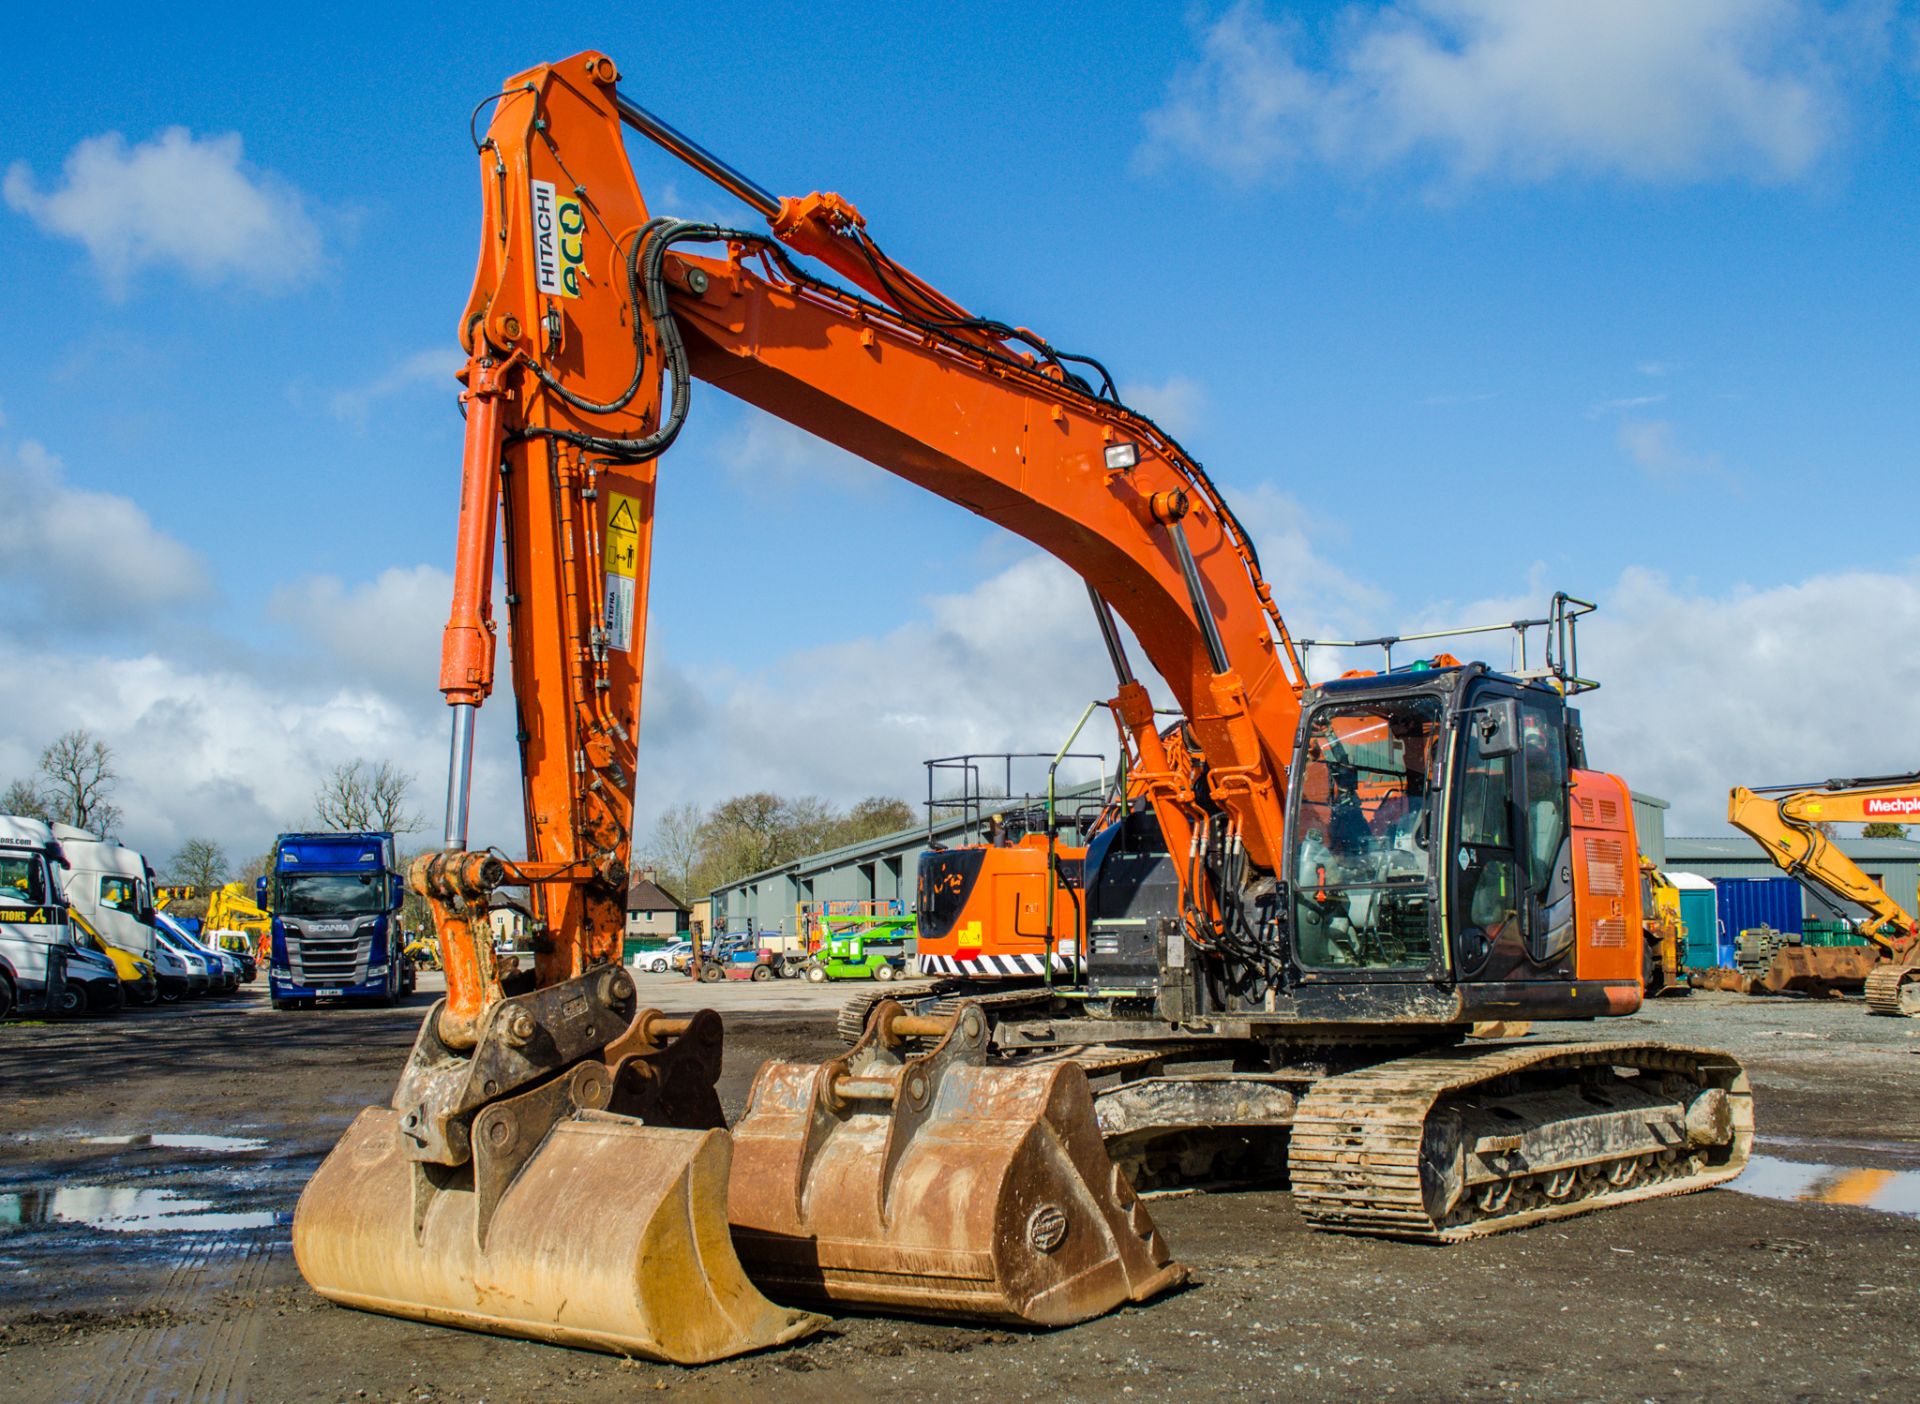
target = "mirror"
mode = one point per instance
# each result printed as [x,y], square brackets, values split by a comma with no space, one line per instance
[1499,723]
[260,892]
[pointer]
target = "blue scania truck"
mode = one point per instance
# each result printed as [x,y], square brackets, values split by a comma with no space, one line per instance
[335,900]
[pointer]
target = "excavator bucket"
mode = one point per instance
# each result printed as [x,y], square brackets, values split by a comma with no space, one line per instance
[566,1222]
[937,1185]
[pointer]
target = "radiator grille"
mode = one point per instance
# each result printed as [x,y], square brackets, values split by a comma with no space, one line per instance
[1606,868]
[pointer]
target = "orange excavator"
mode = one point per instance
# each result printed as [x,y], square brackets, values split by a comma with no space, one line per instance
[1290,927]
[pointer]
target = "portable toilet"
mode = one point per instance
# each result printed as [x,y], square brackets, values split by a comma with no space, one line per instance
[1700,944]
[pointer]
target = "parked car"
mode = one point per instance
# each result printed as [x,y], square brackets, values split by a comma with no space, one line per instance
[138,981]
[200,977]
[223,971]
[236,944]
[673,957]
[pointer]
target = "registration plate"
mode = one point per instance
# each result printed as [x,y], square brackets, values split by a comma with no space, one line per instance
[327,994]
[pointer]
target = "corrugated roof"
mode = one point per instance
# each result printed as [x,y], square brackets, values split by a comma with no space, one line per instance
[882,844]
[1739,848]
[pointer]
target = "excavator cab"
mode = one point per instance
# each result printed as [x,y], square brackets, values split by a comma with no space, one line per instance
[1445,834]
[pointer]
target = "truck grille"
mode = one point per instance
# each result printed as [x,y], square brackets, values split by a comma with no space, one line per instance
[329,957]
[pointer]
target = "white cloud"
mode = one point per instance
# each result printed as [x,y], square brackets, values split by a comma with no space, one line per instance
[1658,368]
[385,632]
[191,202]
[1006,665]
[88,561]
[1176,404]
[1654,445]
[1626,402]
[433,369]
[1521,90]
[762,452]
[1702,691]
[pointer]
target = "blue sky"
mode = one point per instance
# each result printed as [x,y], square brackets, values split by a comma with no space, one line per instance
[1466,300]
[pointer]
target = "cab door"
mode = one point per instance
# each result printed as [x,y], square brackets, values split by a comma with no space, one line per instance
[1510,875]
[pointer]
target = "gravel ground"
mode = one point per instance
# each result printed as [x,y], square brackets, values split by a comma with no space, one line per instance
[148,1168]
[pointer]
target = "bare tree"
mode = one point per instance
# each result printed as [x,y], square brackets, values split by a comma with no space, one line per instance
[27,800]
[674,847]
[200,863]
[359,797]
[77,777]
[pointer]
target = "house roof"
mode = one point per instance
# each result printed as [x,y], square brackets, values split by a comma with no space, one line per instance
[644,894]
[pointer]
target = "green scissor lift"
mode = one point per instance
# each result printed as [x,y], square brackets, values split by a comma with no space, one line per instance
[860,946]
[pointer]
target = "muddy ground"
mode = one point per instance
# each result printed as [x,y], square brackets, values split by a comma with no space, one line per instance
[156,1265]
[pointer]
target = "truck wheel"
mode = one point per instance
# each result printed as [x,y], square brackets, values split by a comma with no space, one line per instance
[7,997]
[712,972]
[73,1001]
[763,972]
[885,972]
[817,974]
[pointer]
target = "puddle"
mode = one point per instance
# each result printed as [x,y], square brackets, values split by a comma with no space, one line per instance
[1889,1191]
[117,1210]
[169,1141]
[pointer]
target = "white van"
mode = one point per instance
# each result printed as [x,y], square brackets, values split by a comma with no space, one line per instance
[41,969]
[110,885]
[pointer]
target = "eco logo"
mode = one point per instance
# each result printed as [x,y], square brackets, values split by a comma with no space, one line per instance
[559,241]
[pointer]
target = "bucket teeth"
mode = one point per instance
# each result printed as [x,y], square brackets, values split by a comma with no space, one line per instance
[939,1186]
[613,1237]
[580,1200]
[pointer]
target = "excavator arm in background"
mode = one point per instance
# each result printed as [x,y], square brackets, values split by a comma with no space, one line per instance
[1786,821]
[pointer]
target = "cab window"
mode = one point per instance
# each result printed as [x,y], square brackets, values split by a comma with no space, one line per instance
[1543,744]
[119,893]
[22,881]
[1486,879]
[1367,795]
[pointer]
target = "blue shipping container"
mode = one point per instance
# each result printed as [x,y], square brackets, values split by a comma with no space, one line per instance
[1749,902]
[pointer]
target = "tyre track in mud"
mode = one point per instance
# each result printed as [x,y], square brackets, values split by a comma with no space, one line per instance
[181,1359]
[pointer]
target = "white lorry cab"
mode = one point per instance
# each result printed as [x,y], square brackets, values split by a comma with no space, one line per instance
[110,885]
[41,968]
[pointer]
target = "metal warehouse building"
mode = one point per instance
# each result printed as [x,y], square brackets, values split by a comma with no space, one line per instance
[888,867]
[1893,863]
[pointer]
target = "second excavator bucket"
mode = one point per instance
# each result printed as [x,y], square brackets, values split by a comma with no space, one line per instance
[935,1184]
[559,1219]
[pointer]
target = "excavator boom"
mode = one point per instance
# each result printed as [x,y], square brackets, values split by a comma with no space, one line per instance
[1787,822]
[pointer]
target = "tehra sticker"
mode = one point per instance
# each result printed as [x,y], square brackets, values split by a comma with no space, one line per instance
[623,564]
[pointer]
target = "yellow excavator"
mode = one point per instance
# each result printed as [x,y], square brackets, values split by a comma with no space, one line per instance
[1315,897]
[1786,821]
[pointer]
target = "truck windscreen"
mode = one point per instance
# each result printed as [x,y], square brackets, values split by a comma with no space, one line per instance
[22,880]
[332,894]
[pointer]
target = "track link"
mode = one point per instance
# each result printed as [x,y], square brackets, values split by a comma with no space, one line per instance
[1895,990]
[1362,1159]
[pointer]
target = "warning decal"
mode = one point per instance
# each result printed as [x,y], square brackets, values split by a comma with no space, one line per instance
[623,563]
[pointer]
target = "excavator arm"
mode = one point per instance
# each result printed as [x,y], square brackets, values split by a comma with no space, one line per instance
[554,1162]
[588,321]
[1786,820]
